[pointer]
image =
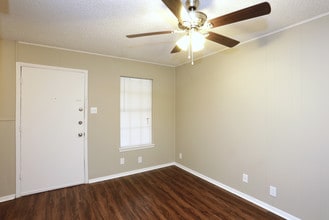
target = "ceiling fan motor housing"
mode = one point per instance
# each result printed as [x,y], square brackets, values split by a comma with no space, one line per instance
[196,18]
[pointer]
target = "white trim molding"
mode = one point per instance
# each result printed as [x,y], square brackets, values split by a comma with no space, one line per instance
[131,148]
[249,198]
[7,198]
[128,173]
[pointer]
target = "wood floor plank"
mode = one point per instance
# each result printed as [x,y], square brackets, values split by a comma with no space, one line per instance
[167,193]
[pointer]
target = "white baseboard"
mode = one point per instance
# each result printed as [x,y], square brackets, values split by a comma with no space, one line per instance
[251,199]
[99,179]
[7,198]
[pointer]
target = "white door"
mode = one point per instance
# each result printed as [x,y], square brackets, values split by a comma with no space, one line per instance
[52,128]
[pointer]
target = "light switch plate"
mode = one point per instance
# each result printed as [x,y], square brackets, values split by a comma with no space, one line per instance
[93,110]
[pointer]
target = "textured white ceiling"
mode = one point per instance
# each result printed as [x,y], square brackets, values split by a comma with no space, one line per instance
[100,26]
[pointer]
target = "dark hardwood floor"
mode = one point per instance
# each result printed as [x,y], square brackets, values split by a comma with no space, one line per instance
[167,193]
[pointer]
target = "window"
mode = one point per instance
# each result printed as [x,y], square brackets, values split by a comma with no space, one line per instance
[135,113]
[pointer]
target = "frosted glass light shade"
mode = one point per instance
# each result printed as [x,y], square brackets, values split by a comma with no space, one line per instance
[198,41]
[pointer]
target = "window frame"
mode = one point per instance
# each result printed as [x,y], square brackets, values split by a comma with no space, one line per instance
[138,146]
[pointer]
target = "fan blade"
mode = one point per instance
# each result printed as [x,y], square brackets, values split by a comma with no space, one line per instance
[220,39]
[149,34]
[176,49]
[177,8]
[243,14]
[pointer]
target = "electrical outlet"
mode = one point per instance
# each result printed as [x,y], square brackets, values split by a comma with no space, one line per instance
[140,159]
[245,178]
[180,156]
[122,160]
[273,191]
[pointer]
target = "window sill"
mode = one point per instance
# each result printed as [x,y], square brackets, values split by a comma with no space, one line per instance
[138,147]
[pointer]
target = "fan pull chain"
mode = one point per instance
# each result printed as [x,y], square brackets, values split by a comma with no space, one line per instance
[189,53]
[189,45]
[190,48]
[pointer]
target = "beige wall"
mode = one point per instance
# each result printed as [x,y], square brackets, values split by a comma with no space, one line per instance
[262,109]
[7,118]
[103,92]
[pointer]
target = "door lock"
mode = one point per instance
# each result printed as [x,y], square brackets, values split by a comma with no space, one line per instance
[80,134]
[80,122]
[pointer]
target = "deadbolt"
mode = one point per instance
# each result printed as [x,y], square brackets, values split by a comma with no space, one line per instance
[80,122]
[80,109]
[80,134]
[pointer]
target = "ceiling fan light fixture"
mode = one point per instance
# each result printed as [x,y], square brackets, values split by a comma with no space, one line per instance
[197,39]
[196,25]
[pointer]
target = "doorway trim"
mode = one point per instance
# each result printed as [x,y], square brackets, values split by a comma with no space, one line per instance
[19,66]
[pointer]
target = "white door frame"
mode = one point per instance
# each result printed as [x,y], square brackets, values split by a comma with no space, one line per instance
[19,66]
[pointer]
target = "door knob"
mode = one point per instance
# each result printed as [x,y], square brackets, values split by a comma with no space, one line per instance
[80,134]
[80,122]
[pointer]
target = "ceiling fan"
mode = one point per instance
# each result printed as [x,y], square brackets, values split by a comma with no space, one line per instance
[196,26]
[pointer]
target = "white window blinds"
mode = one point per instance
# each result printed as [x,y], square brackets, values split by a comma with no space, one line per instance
[135,112]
